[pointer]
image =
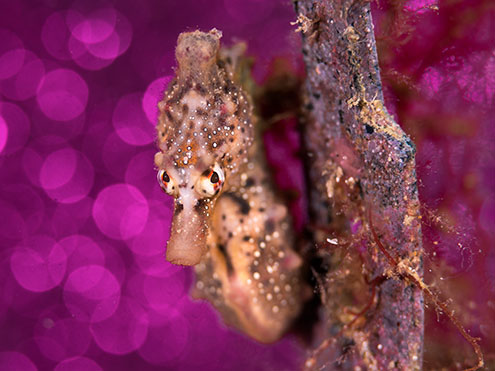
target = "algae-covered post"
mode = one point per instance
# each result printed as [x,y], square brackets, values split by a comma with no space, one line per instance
[361,166]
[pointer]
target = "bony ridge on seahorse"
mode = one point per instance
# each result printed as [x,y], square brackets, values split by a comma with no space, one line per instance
[227,220]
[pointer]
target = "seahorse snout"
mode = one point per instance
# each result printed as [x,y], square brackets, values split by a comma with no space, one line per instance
[187,243]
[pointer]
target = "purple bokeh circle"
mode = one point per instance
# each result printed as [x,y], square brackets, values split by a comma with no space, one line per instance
[97,39]
[55,35]
[166,342]
[116,155]
[58,169]
[16,361]
[4,133]
[12,54]
[78,364]
[93,28]
[62,95]
[91,293]
[120,211]
[152,95]
[67,175]
[24,84]
[81,251]
[28,204]
[159,296]
[152,240]
[130,121]
[79,86]
[17,128]
[39,264]
[140,174]
[59,338]
[125,331]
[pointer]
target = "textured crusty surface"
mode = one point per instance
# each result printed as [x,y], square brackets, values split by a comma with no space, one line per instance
[361,166]
[240,239]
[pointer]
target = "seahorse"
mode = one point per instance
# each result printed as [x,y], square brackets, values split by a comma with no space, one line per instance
[228,221]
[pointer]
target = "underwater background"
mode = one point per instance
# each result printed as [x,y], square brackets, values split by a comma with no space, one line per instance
[84,284]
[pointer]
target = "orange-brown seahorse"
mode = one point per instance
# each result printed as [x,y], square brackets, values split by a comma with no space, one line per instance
[228,220]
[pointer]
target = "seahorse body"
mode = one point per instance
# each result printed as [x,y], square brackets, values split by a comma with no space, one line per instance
[227,219]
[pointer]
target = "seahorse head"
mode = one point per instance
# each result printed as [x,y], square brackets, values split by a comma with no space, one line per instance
[204,134]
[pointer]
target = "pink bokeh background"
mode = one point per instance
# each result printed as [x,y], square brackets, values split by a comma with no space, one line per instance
[83,280]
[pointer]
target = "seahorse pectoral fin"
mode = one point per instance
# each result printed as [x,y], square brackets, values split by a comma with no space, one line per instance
[187,243]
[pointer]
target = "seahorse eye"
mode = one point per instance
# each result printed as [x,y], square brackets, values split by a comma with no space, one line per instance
[166,183]
[214,178]
[210,182]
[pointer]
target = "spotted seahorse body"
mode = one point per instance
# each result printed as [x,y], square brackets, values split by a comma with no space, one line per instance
[227,221]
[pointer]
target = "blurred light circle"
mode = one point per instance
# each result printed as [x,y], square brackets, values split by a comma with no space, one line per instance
[61,338]
[161,296]
[116,43]
[162,317]
[12,295]
[94,50]
[58,168]
[130,121]
[31,165]
[81,250]
[62,95]
[78,364]
[38,264]
[107,49]
[43,146]
[91,293]
[16,361]
[116,155]
[165,344]
[83,58]
[150,245]
[77,48]
[93,28]
[55,36]
[120,211]
[4,133]
[12,54]
[153,94]
[17,128]
[27,202]
[114,260]
[125,331]
[25,83]
[67,175]
[152,240]
[94,137]
[156,265]
[140,172]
